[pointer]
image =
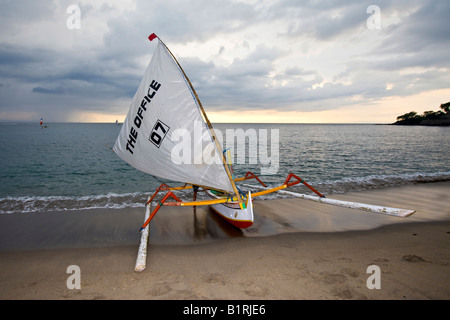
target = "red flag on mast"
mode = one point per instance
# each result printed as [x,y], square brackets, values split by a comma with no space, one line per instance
[152,36]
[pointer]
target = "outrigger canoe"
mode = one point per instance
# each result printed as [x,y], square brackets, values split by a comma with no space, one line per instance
[165,109]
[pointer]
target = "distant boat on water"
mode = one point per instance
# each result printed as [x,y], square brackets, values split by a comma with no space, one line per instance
[41,122]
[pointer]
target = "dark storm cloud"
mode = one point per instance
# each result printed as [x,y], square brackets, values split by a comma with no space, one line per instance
[321,19]
[425,29]
[91,70]
[48,91]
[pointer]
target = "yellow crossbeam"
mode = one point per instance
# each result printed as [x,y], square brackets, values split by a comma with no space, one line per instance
[261,193]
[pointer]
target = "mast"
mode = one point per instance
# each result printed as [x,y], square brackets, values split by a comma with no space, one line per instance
[208,123]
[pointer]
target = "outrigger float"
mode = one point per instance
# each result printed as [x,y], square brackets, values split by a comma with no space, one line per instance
[160,125]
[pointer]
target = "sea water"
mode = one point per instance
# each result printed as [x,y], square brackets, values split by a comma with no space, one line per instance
[70,166]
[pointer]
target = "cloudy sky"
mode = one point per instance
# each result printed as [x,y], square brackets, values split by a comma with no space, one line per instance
[250,61]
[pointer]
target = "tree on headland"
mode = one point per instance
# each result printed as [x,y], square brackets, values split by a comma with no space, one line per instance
[445,107]
[428,118]
[408,116]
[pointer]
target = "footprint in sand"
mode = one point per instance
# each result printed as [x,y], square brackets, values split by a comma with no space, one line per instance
[413,258]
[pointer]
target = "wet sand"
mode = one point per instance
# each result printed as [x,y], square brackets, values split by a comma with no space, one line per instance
[297,249]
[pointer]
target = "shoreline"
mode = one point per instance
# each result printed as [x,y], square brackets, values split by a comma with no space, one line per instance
[297,249]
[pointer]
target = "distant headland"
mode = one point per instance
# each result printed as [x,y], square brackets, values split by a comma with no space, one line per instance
[428,118]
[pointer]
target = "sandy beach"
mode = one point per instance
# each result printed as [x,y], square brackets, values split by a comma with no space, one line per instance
[296,250]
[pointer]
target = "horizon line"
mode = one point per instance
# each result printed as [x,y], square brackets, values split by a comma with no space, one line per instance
[108,122]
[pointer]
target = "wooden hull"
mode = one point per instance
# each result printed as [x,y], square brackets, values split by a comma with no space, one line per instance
[241,218]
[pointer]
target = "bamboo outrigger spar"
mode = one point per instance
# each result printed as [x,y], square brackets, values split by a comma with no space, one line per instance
[166,104]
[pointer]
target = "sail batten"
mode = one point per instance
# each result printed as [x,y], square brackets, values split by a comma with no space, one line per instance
[165,134]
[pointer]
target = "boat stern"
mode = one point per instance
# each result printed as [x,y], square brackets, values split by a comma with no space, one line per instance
[241,218]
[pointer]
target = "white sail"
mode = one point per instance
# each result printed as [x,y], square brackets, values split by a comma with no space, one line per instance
[164,133]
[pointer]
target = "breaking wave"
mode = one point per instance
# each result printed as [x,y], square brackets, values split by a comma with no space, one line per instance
[345,185]
[29,204]
[356,184]
[64,203]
